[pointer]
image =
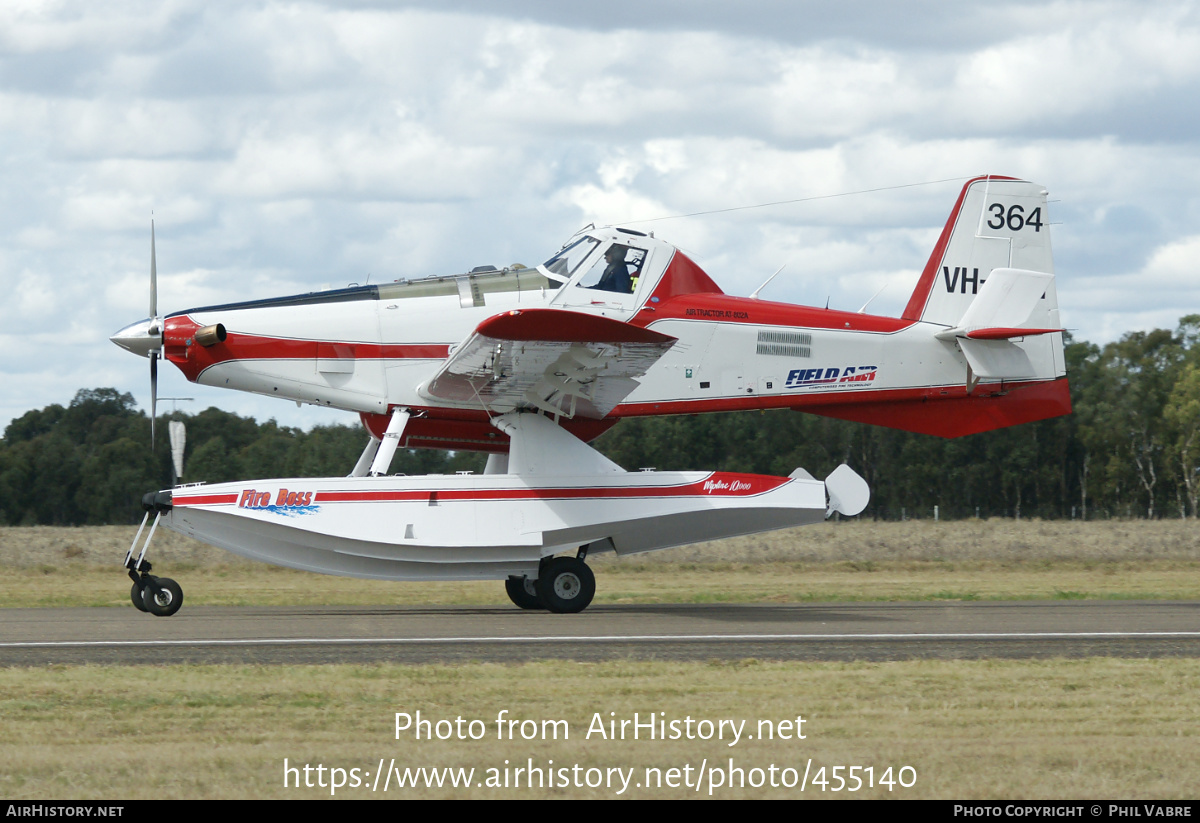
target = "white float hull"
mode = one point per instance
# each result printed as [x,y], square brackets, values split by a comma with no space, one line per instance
[466,527]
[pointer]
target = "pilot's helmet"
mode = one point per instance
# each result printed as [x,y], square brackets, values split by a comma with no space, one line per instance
[616,253]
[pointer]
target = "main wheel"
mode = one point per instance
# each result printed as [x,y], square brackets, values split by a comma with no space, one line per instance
[135,594]
[162,597]
[523,592]
[566,585]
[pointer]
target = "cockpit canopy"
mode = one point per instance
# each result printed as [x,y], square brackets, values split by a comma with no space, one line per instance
[615,261]
[610,268]
[616,270]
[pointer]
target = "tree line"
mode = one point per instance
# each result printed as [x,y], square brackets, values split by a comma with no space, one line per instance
[1131,449]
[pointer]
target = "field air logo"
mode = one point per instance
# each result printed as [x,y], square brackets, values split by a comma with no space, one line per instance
[847,376]
[286,502]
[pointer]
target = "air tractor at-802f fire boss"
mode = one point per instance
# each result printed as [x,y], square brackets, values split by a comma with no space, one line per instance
[529,365]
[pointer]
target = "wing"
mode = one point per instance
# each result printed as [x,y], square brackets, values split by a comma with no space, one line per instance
[563,362]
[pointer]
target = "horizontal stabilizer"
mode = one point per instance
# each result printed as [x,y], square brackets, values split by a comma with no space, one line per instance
[1007,298]
[1005,304]
[1000,333]
[1007,308]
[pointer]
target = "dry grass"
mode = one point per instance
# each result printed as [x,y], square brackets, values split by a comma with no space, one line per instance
[917,560]
[990,729]
[53,547]
[854,541]
[995,540]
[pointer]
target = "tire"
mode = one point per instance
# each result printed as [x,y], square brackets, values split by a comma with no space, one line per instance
[523,593]
[566,585]
[162,597]
[135,594]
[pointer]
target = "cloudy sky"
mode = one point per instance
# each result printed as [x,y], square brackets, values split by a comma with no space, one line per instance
[284,147]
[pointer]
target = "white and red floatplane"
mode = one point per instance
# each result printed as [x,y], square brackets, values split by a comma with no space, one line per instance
[530,364]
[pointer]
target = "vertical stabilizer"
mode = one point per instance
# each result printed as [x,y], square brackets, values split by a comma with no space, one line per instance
[988,296]
[997,223]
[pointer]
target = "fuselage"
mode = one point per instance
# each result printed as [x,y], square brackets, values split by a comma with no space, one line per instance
[374,348]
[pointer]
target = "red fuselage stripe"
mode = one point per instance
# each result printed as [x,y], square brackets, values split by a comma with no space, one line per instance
[804,400]
[254,347]
[192,360]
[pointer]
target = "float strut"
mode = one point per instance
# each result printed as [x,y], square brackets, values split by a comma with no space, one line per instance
[391,441]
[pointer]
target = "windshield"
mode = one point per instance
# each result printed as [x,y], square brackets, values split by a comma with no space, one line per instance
[567,261]
[617,271]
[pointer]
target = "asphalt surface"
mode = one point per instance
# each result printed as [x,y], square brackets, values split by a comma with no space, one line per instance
[818,631]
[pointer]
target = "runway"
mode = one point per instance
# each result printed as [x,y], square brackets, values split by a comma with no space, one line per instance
[818,631]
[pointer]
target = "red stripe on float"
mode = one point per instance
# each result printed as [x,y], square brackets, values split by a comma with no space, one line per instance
[204,500]
[755,485]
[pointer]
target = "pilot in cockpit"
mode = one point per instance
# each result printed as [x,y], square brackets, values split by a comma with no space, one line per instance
[616,276]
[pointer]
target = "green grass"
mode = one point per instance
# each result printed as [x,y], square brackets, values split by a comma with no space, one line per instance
[970,729]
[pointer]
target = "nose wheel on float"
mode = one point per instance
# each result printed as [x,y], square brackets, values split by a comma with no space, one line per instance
[160,596]
[564,585]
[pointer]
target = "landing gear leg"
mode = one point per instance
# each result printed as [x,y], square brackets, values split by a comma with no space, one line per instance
[160,596]
[566,585]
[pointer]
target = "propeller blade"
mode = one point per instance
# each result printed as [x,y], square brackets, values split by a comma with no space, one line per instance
[153,276]
[153,394]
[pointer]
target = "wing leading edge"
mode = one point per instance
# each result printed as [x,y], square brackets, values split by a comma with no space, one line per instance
[563,362]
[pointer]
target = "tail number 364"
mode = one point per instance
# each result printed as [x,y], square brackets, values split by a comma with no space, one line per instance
[1015,217]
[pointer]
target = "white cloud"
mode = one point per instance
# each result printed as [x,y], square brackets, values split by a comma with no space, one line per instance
[29,26]
[287,146]
[1155,295]
[1092,65]
[1176,264]
[110,210]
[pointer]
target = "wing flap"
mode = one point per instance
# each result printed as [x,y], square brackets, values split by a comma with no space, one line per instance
[563,362]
